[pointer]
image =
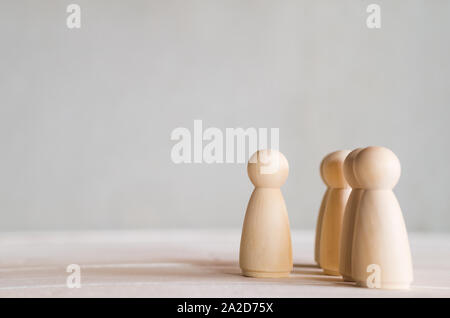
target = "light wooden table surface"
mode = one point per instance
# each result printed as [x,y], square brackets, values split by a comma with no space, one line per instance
[175,263]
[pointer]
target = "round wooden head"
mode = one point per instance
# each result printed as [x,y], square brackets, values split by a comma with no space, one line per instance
[268,168]
[348,169]
[332,171]
[377,168]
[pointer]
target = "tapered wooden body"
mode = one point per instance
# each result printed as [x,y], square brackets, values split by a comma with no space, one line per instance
[351,210]
[331,230]
[329,227]
[348,225]
[266,249]
[319,227]
[380,238]
[381,257]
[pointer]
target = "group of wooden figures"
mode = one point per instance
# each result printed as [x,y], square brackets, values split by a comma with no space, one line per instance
[360,233]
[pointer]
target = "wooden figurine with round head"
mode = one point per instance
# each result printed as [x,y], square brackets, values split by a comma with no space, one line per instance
[348,224]
[266,249]
[381,256]
[338,192]
[320,217]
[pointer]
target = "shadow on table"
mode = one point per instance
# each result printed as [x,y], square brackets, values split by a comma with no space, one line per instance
[302,265]
[200,269]
[164,268]
[307,269]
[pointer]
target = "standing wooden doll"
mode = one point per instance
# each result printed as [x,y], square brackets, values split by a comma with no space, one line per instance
[266,249]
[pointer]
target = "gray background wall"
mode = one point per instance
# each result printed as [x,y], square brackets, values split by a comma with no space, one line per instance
[86,115]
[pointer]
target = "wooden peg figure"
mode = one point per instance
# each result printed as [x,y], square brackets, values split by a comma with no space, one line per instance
[348,224]
[381,256]
[266,249]
[338,192]
[320,217]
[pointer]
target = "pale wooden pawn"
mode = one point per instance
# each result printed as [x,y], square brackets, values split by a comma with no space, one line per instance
[381,256]
[320,218]
[348,224]
[339,190]
[266,249]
